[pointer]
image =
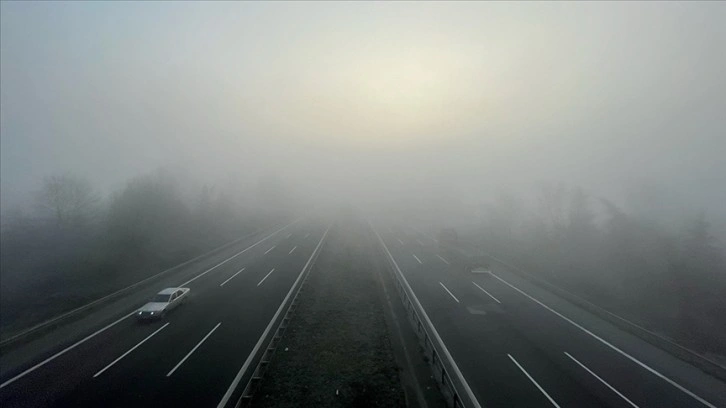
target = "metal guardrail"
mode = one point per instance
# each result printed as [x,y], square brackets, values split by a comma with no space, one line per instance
[449,378]
[266,346]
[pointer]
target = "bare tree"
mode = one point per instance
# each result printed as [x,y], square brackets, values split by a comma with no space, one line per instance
[71,200]
[580,216]
[552,207]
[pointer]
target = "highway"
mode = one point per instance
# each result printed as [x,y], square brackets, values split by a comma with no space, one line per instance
[515,344]
[518,345]
[192,357]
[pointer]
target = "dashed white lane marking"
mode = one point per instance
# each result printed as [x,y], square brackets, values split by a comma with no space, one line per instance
[628,356]
[399,240]
[484,290]
[230,278]
[533,381]
[602,381]
[232,257]
[419,261]
[130,350]
[268,274]
[235,382]
[268,251]
[449,292]
[65,350]
[292,250]
[444,260]
[193,350]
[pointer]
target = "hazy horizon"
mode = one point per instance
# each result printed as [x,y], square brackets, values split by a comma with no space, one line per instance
[359,100]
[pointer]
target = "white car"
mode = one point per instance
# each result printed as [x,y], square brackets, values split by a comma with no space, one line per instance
[162,303]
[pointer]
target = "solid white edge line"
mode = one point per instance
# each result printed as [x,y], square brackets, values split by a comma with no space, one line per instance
[292,250]
[230,278]
[419,261]
[445,261]
[268,251]
[234,256]
[449,292]
[130,350]
[227,395]
[602,381]
[447,354]
[533,381]
[65,350]
[193,350]
[268,274]
[484,290]
[605,342]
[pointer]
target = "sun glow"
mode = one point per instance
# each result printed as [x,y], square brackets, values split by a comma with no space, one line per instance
[391,100]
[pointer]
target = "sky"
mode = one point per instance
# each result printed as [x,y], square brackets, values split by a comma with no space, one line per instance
[369,99]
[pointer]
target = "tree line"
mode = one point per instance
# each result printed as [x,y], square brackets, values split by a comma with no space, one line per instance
[74,243]
[671,280]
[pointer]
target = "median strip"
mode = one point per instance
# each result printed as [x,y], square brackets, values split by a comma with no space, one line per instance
[340,310]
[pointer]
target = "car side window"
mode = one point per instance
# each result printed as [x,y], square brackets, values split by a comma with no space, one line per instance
[178,293]
[173,297]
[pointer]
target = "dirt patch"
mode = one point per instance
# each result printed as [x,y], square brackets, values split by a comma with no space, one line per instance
[336,352]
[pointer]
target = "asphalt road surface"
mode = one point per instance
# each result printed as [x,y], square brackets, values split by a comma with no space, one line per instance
[515,344]
[191,357]
[520,346]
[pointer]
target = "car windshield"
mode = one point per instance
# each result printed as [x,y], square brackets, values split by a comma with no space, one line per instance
[161,298]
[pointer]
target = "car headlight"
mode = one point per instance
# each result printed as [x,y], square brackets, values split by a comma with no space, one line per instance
[140,312]
[152,313]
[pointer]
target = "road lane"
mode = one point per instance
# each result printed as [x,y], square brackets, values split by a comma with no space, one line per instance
[135,380]
[653,376]
[24,358]
[479,338]
[513,319]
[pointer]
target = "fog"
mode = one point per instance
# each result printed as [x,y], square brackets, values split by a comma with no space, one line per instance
[439,113]
[579,146]
[369,101]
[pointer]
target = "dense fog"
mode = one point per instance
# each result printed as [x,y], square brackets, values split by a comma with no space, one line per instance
[584,141]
